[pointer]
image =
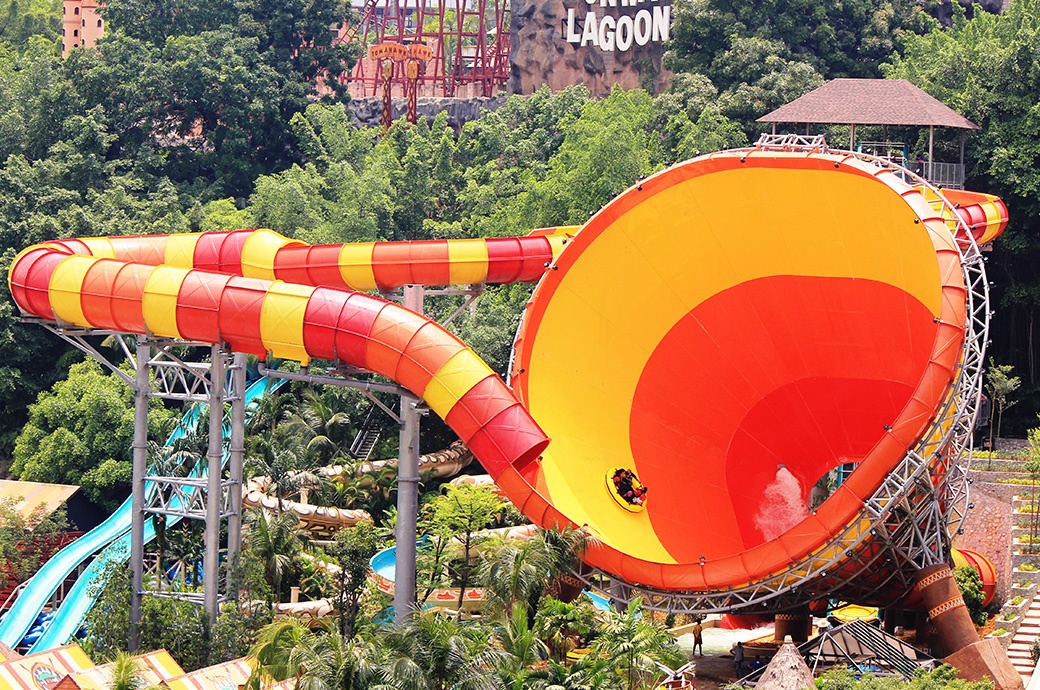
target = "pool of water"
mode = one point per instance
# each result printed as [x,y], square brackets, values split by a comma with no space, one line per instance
[719,640]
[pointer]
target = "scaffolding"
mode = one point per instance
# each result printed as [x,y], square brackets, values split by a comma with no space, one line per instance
[468,41]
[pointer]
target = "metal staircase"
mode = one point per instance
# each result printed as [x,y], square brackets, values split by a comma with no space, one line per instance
[367,437]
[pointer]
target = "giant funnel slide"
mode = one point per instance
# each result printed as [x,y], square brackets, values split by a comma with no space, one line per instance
[746,320]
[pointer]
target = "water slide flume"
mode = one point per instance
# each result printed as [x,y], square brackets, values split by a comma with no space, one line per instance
[739,323]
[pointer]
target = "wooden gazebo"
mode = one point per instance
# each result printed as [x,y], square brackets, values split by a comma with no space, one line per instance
[885,102]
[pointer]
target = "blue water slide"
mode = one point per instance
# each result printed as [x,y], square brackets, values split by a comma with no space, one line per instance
[113,533]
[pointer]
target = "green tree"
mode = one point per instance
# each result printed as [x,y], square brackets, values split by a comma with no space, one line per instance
[986,68]
[942,677]
[275,539]
[179,627]
[81,433]
[24,539]
[1000,384]
[633,644]
[521,571]
[559,623]
[523,646]
[1033,468]
[126,672]
[352,551]
[848,38]
[321,659]
[459,513]
[21,20]
[435,653]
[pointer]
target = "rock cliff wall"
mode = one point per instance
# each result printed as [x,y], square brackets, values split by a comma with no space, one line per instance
[553,44]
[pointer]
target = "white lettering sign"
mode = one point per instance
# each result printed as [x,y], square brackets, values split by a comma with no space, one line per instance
[609,33]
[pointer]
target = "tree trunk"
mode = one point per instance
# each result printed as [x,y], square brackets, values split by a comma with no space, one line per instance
[465,576]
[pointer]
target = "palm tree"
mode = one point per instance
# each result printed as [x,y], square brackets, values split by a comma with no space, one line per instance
[320,659]
[126,672]
[435,653]
[522,645]
[633,645]
[281,456]
[328,425]
[559,622]
[526,570]
[275,540]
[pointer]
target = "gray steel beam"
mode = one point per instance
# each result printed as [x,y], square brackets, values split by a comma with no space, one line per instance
[214,498]
[407,490]
[236,462]
[137,500]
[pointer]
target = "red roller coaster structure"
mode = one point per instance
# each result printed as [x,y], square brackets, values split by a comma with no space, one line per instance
[469,40]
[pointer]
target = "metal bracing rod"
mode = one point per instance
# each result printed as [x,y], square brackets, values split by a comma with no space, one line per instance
[75,337]
[307,377]
[236,461]
[214,457]
[137,495]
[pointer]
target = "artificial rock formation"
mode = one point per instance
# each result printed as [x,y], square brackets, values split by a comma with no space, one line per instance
[541,55]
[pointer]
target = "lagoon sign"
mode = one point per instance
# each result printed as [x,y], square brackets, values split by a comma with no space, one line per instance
[648,24]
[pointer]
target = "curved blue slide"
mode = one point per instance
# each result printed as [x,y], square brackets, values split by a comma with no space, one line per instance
[114,533]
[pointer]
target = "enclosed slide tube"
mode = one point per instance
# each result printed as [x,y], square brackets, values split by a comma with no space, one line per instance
[230,288]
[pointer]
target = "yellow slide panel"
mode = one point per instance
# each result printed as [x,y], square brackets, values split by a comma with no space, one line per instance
[101,247]
[259,251]
[355,265]
[460,373]
[66,286]
[160,300]
[281,320]
[557,242]
[180,250]
[468,262]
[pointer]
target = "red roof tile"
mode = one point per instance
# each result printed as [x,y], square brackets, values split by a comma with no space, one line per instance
[869,102]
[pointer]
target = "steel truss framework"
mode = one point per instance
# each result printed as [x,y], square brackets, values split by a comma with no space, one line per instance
[180,487]
[469,39]
[905,524]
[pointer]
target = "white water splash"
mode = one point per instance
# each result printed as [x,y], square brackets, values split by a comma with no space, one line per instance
[782,505]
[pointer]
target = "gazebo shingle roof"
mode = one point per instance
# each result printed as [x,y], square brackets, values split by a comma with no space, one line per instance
[869,102]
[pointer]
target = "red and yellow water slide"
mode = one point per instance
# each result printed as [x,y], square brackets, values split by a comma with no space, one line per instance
[732,329]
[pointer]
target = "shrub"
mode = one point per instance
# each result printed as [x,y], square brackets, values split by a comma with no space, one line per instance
[970,584]
[1027,567]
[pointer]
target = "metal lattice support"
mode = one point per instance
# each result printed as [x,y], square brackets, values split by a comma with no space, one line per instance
[905,524]
[162,370]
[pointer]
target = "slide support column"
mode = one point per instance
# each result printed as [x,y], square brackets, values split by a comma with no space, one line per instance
[140,467]
[236,460]
[214,495]
[407,490]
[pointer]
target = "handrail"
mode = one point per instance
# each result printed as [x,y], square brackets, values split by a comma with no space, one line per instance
[20,586]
